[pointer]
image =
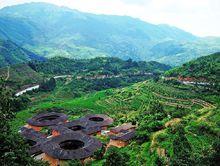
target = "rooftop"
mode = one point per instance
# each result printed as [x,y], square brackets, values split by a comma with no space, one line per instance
[47,119]
[74,145]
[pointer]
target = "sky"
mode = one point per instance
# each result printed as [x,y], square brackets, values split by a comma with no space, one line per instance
[200,17]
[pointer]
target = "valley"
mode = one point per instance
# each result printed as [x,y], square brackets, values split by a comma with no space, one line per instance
[89,89]
[168,114]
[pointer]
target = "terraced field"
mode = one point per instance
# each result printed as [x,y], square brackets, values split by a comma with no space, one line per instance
[128,104]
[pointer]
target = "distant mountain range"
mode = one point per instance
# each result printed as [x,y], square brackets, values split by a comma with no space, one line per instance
[49,31]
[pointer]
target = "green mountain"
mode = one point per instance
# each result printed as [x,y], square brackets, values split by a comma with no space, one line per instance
[49,30]
[11,53]
[206,68]
[173,52]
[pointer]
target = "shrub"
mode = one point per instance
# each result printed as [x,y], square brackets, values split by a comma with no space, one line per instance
[114,157]
[99,153]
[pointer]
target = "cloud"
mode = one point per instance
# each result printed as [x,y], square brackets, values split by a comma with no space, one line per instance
[136,2]
[201,17]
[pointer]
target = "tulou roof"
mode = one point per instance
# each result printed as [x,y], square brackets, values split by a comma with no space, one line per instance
[73,140]
[34,138]
[96,120]
[123,127]
[47,119]
[123,136]
[74,145]
[31,134]
[84,126]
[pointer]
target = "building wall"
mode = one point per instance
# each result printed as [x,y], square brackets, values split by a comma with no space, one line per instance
[51,160]
[117,143]
[55,133]
[36,128]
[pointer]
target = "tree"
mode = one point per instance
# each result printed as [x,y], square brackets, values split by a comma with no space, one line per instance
[99,153]
[114,157]
[13,149]
[48,85]
[181,149]
[150,120]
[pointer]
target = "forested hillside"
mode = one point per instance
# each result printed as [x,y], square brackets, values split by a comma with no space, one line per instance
[49,31]
[204,68]
[97,66]
[113,72]
[11,53]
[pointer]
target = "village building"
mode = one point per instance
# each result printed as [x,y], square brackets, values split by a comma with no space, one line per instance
[72,140]
[90,125]
[122,139]
[121,128]
[46,119]
[34,139]
[74,145]
[120,135]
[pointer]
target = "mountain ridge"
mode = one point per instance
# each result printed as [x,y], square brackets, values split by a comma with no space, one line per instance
[60,31]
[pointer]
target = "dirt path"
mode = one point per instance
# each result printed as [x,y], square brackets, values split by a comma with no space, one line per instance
[176,104]
[154,137]
[161,151]
[200,102]
[204,117]
[8,73]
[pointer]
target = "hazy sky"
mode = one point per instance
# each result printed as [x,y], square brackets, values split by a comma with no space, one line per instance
[200,17]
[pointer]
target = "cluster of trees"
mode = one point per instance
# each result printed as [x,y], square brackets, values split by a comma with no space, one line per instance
[202,69]
[184,154]
[82,86]
[116,157]
[13,147]
[150,120]
[48,85]
[105,66]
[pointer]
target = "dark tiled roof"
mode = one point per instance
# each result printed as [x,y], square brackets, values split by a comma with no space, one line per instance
[96,120]
[123,136]
[47,119]
[86,124]
[54,149]
[76,126]
[31,134]
[35,137]
[36,149]
[61,129]
[123,127]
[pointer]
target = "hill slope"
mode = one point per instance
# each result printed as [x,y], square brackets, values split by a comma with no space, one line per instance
[112,72]
[19,75]
[157,110]
[206,68]
[11,53]
[51,31]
